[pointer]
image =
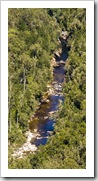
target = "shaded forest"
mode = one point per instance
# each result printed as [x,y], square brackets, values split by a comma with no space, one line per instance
[33,38]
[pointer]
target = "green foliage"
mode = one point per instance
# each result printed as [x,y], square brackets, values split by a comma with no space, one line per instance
[31,44]
[18,163]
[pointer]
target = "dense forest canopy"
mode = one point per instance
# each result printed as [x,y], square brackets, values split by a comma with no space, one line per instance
[32,40]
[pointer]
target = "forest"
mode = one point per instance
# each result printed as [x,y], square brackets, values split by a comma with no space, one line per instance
[33,39]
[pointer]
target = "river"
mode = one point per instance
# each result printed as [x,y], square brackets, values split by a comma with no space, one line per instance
[42,122]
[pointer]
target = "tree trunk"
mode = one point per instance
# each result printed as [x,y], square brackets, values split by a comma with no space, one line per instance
[24,80]
[10,117]
[17,120]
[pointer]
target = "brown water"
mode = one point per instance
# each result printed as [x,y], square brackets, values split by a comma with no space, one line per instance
[42,122]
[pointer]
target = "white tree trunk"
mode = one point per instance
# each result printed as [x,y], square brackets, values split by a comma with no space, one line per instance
[17,120]
[10,117]
[24,80]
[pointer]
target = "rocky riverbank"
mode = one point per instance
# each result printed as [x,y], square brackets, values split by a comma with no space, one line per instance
[26,147]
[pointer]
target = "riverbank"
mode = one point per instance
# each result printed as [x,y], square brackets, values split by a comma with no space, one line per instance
[27,147]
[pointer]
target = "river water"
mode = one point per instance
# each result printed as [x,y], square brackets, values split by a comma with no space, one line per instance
[43,123]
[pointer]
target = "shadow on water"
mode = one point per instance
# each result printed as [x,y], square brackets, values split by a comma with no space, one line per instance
[42,122]
[64,54]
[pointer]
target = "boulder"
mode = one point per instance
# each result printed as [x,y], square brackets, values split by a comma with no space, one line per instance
[51,112]
[62,62]
[28,139]
[35,130]
[47,100]
[49,132]
[48,86]
[46,117]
